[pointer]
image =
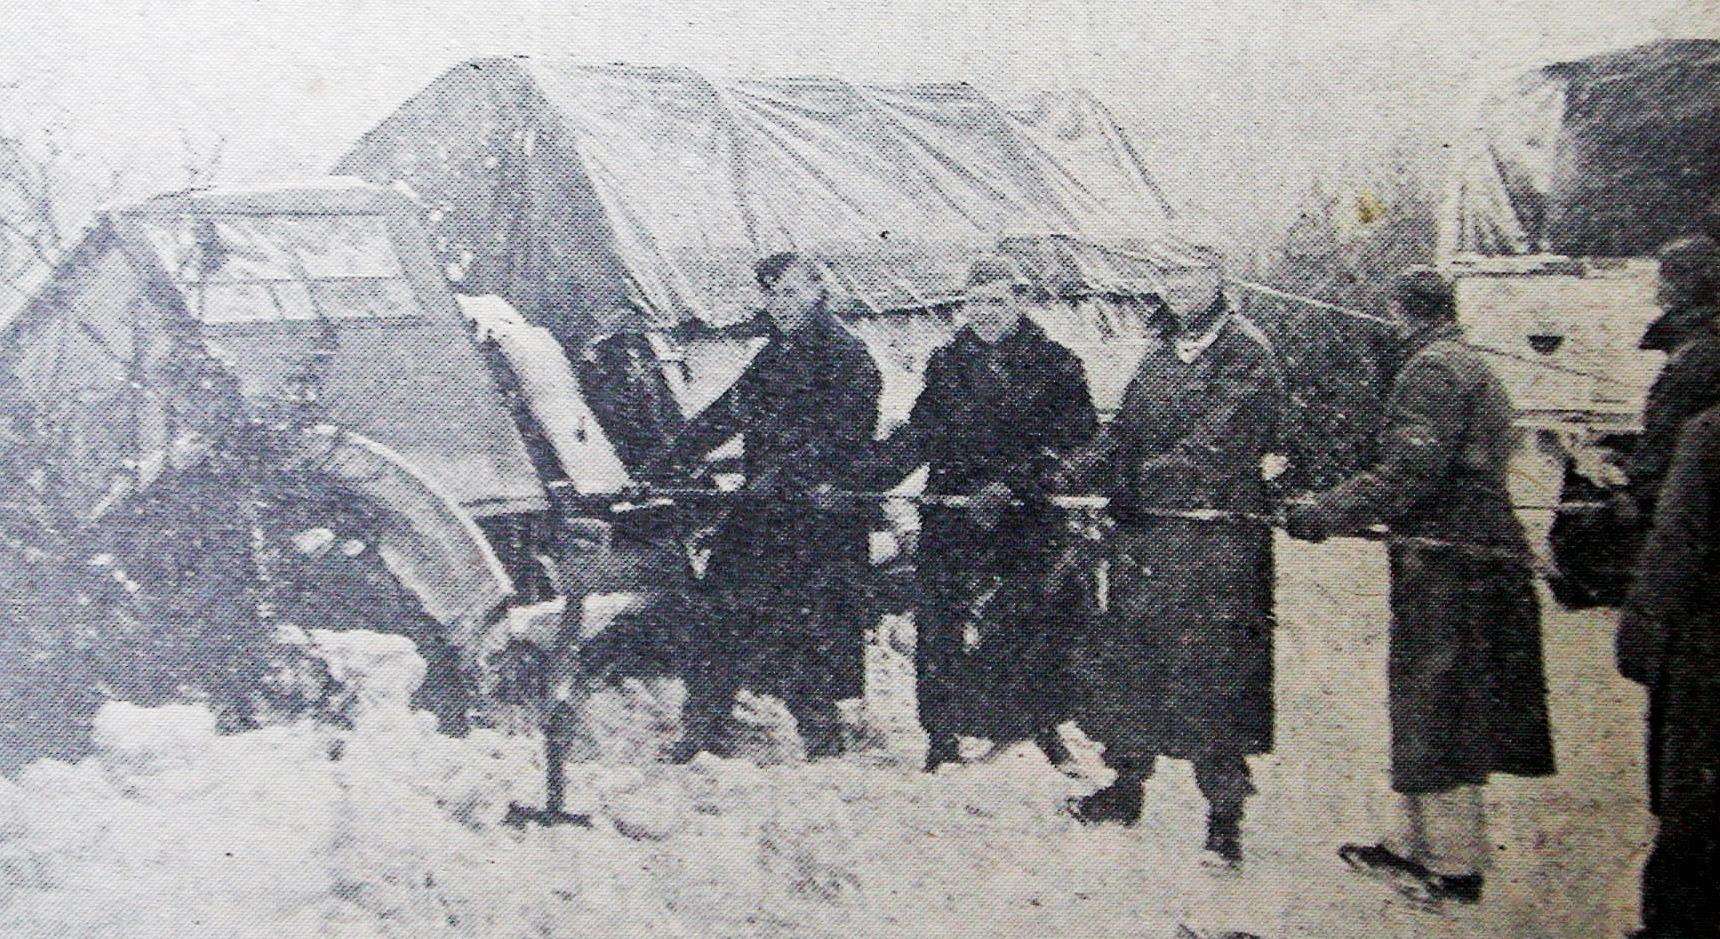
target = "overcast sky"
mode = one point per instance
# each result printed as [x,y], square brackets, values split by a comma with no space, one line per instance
[1243,101]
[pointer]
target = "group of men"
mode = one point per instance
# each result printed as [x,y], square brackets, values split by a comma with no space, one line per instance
[1178,663]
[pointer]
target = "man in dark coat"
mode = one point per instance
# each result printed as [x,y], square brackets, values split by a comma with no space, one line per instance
[1182,666]
[1467,687]
[1002,403]
[1689,382]
[1669,640]
[786,575]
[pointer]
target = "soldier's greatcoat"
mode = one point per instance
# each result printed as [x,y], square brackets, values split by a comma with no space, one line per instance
[1182,665]
[1468,691]
[785,579]
[1669,639]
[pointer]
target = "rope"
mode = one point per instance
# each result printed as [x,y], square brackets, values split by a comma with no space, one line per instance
[1398,327]
[1092,503]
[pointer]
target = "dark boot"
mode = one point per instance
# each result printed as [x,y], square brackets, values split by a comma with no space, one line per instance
[1120,802]
[821,731]
[942,750]
[1224,840]
[1377,860]
[1462,888]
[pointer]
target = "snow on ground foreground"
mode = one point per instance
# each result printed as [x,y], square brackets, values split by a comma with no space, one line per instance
[388,829]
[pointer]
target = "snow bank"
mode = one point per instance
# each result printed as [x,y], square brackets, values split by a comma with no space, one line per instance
[388,829]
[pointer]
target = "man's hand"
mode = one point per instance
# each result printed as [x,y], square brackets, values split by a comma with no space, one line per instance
[986,507]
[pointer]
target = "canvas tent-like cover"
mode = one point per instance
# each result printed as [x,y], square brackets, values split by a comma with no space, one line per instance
[600,197]
[1607,156]
[265,278]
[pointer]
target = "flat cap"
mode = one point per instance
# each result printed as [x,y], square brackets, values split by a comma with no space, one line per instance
[1421,282]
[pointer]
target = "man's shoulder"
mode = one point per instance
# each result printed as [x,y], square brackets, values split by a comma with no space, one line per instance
[845,352]
[1452,355]
[1244,347]
[1449,363]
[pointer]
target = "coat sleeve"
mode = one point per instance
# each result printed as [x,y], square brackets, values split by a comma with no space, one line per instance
[1675,560]
[1082,466]
[716,424]
[1682,389]
[1424,429]
[1069,422]
[848,405]
[884,463]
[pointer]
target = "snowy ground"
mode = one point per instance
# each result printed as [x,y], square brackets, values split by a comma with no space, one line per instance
[391,830]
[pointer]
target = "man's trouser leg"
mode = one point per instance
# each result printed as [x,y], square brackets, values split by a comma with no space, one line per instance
[937,647]
[820,724]
[711,665]
[1446,832]
[1225,781]
[706,715]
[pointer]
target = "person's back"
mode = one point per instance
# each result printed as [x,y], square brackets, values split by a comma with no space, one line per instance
[1467,493]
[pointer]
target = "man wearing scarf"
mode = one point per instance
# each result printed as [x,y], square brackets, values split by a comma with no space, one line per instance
[1182,667]
[999,601]
[786,573]
[1467,687]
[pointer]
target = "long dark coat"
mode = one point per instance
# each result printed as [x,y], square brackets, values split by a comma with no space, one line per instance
[1669,634]
[1005,413]
[785,580]
[1468,690]
[1669,638]
[1183,664]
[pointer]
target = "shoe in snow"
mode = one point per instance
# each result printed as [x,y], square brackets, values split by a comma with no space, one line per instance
[1377,860]
[1464,889]
[684,751]
[1121,802]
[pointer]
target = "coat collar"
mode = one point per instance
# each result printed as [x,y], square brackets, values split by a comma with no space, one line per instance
[1026,335]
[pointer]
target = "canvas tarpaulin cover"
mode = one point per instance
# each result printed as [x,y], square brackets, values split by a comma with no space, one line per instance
[598,197]
[1607,156]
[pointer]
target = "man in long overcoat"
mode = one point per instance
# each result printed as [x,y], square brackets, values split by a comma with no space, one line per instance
[1002,404]
[1467,687]
[1182,665]
[1669,640]
[786,576]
